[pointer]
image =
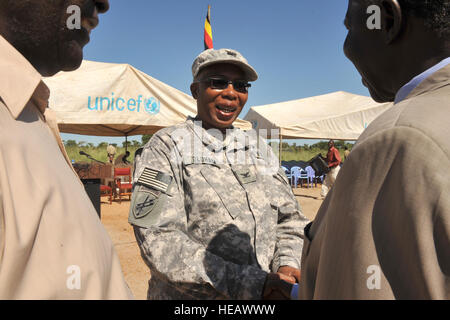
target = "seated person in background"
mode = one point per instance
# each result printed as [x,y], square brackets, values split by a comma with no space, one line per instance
[213,214]
[122,159]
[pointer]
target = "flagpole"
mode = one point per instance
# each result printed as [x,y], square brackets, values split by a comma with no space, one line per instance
[280,146]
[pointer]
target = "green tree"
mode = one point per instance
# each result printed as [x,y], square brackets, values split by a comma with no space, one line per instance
[339,144]
[136,144]
[102,145]
[321,145]
[349,145]
[70,143]
[145,138]
[126,144]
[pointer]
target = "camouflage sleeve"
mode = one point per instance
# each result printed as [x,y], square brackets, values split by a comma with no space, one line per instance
[291,223]
[162,234]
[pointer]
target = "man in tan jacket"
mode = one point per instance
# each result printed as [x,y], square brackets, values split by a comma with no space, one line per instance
[383,232]
[52,244]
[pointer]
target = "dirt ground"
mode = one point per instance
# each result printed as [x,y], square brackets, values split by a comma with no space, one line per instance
[137,274]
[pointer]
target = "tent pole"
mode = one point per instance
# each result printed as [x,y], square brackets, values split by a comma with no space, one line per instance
[126,144]
[280,146]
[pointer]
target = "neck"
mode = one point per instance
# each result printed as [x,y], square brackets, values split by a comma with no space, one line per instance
[207,126]
[422,50]
[412,70]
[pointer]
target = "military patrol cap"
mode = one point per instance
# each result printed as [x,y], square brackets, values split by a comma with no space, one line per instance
[212,56]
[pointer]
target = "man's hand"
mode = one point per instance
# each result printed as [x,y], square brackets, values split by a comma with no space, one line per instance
[290,272]
[278,286]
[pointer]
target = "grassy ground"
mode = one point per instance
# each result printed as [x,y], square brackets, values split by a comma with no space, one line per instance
[100,153]
[305,155]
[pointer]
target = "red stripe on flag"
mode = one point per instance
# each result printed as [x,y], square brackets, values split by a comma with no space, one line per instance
[208,41]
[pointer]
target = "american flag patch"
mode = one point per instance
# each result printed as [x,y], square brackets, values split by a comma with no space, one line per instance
[155,179]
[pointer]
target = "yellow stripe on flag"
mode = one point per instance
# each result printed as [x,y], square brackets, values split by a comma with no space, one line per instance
[208,28]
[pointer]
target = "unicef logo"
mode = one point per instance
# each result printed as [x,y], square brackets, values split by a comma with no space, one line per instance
[152,106]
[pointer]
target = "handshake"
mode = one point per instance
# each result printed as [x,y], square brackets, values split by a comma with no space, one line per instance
[278,286]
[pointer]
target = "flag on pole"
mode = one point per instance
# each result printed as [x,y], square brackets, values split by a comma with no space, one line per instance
[208,31]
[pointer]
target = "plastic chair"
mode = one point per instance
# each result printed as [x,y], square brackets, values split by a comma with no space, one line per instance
[322,177]
[298,173]
[295,174]
[124,188]
[311,176]
[288,174]
[303,176]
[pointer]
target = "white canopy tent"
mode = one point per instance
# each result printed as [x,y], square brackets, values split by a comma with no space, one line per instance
[339,115]
[107,99]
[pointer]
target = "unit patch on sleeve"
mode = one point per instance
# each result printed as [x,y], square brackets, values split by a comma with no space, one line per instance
[146,207]
[143,204]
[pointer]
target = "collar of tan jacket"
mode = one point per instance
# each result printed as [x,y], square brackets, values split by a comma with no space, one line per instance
[437,80]
[20,82]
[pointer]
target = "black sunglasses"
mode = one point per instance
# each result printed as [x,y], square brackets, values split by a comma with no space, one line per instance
[221,84]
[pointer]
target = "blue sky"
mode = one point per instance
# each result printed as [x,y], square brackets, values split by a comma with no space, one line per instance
[295,45]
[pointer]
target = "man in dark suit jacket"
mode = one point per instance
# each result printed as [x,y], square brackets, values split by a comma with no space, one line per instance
[383,232]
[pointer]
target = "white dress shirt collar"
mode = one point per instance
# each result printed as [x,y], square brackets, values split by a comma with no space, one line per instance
[403,93]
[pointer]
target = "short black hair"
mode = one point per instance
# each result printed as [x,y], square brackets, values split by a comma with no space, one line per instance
[435,13]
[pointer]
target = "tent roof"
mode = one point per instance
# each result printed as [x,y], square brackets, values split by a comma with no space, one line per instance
[108,99]
[338,115]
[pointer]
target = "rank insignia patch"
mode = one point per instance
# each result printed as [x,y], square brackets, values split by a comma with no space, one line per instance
[245,175]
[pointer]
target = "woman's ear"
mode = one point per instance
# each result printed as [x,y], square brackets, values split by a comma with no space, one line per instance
[194,90]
